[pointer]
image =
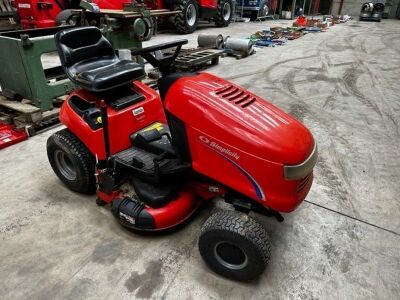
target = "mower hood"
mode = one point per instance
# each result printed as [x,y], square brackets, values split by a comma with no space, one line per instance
[239,119]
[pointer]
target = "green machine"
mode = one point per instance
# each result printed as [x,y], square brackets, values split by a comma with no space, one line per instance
[22,74]
[23,71]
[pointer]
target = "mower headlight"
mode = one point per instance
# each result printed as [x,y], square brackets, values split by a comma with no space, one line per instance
[296,172]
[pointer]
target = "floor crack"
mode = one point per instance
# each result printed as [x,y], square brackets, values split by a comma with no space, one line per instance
[353,218]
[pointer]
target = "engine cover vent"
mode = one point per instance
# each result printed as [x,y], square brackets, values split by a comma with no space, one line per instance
[235,95]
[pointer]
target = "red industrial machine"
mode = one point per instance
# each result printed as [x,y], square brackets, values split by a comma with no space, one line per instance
[49,13]
[157,157]
[39,13]
[220,11]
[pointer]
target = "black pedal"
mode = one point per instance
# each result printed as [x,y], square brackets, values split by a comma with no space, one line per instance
[108,183]
[137,163]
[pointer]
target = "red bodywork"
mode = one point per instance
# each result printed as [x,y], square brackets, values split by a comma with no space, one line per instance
[43,13]
[179,210]
[241,140]
[39,14]
[10,136]
[210,4]
[236,139]
[121,123]
[160,4]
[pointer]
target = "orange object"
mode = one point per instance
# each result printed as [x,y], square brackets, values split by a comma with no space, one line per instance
[301,21]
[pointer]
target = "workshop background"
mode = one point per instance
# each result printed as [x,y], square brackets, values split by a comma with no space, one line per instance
[335,74]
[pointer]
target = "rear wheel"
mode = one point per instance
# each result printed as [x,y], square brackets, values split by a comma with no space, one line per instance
[224,13]
[234,245]
[264,11]
[72,162]
[186,21]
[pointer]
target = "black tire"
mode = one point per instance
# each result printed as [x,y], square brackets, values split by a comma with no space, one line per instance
[222,19]
[235,245]
[65,16]
[182,24]
[72,162]
[262,12]
[254,15]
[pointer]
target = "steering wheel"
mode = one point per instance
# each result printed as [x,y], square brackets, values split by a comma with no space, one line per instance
[159,60]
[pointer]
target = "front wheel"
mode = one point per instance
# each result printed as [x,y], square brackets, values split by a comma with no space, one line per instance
[186,21]
[72,162]
[224,13]
[234,245]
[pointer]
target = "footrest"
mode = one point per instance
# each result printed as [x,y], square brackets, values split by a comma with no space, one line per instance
[129,159]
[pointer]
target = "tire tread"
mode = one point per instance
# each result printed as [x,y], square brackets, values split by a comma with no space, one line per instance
[249,229]
[219,18]
[180,19]
[244,227]
[67,139]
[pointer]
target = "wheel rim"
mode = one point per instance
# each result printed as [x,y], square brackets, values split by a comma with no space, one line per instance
[65,165]
[191,14]
[230,256]
[265,10]
[226,11]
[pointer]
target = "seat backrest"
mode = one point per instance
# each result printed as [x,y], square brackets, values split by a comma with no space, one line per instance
[80,43]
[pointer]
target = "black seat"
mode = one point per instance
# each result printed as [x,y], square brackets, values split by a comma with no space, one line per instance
[89,60]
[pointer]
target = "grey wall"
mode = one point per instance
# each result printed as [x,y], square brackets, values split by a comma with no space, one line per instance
[352,7]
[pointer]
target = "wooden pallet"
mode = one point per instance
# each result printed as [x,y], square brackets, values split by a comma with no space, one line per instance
[25,115]
[195,59]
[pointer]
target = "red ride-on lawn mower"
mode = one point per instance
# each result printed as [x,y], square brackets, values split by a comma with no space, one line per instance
[155,158]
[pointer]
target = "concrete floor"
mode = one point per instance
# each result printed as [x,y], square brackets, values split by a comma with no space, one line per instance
[343,243]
